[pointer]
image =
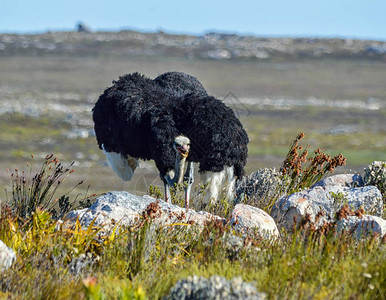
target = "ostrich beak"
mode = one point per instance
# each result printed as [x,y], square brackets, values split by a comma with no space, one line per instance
[184,150]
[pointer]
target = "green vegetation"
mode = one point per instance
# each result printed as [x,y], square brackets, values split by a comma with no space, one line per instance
[269,133]
[65,261]
[29,194]
[121,266]
[362,143]
[339,199]
[17,127]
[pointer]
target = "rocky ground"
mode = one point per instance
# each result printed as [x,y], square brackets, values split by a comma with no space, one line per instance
[211,45]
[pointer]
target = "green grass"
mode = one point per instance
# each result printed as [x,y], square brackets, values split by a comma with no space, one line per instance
[16,128]
[66,261]
[131,267]
[270,132]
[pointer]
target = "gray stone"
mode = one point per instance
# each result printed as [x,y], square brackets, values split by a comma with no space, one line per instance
[321,203]
[215,287]
[246,218]
[344,180]
[375,174]
[7,256]
[259,187]
[128,209]
[362,226]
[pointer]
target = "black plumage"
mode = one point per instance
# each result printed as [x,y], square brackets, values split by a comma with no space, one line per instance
[140,117]
[180,83]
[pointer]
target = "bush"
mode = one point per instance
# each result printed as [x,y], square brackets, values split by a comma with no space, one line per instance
[30,193]
[298,171]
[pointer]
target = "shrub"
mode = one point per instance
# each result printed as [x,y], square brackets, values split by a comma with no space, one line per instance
[298,171]
[30,193]
[304,172]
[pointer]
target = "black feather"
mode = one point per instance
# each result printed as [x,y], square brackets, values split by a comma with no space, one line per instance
[140,117]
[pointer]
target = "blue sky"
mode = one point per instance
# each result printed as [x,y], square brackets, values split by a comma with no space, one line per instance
[319,18]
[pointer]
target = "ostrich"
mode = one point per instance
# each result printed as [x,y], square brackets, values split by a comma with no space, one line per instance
[173,121]
[180,83]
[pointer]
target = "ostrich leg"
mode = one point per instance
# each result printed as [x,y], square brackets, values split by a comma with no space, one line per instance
[183,170]
[167,192]
[174,176]
[188,181]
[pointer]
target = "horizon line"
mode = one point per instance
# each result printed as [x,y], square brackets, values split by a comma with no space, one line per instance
[203,33]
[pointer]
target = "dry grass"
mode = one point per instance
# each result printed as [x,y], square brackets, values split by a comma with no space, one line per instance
[138,262]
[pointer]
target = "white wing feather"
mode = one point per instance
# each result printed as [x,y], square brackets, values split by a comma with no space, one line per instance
[120,164]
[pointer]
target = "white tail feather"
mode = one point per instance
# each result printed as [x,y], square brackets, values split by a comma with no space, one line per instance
[124,167]
[219,182]
[231,183]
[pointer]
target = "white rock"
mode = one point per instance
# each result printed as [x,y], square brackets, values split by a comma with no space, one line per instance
[322,203]
[344,180]
[246,218]
[7,256]
[363,226]
[128,209]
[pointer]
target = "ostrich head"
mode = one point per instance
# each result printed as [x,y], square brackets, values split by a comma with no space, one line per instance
[182,146]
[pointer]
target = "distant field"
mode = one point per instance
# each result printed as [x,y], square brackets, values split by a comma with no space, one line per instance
[329,79]
[45,107]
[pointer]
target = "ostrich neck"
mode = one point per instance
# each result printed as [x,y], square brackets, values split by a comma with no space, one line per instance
[179,168]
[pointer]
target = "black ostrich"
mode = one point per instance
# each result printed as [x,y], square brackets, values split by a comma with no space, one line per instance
[173,121]
[180,83]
